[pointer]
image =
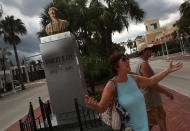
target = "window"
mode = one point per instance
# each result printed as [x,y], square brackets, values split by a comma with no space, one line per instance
[174,25]
[153,26]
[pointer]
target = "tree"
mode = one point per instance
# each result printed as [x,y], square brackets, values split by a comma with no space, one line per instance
[97,20]
[114,16]
[135,44]
[184,22]
[11,28]
[93,23]
[118,47]
[32,62]
[130,45]
[4,53]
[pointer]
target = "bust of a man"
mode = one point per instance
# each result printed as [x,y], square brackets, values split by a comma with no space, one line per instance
[56,25]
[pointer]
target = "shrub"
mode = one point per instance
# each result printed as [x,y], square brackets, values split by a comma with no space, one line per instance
[174,50]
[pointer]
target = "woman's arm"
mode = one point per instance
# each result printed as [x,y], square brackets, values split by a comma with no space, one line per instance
[107,96]
[144,81]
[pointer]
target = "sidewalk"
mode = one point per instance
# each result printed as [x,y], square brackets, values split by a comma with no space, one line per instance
[175,56]
[177,110]
[37,113]
[27,85]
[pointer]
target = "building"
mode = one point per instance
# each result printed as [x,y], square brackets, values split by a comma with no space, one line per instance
[140,40]
[4,65]
[157,35]
[152,30]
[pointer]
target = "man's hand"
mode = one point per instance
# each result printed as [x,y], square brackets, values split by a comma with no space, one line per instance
[170,95]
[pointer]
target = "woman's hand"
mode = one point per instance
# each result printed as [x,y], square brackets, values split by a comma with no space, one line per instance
[90,101]
[174,67]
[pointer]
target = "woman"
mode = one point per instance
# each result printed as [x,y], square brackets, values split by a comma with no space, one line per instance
[129,96]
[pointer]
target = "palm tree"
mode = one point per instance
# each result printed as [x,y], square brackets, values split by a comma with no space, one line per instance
[135,45]
[10,29]
[114,17]
[184,21]
[97,19]
[130,45]
[4,53]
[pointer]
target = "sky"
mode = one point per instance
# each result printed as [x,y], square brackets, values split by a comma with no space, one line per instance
[29,12]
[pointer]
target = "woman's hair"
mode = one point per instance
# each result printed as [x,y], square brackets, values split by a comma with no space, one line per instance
[113,60]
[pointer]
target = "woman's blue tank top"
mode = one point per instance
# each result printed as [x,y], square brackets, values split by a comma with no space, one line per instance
[130,97]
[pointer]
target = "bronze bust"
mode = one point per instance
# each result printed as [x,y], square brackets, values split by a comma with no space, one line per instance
[56,25]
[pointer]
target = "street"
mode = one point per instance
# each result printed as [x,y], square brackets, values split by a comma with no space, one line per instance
[15,106]
[178,81]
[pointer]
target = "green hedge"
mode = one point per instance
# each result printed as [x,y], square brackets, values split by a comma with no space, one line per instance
[174,50]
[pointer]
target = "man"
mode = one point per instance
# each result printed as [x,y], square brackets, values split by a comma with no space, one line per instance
[155,110]
[56,25]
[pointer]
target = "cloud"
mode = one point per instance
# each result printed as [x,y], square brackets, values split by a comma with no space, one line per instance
[29,12]
[133,31]
[165,10]
[27,7]
[32,23]
[30,42]
[171,18]
[159,9]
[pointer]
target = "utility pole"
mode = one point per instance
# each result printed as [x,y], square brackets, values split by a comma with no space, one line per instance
[26,70]
[166,45]
[4,70]
[1,10]
[181,46]
[162,47]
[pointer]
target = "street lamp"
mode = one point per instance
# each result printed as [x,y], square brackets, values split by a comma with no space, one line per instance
[181,46]
[26,70]
[4,70]
[162,47]
[166,45]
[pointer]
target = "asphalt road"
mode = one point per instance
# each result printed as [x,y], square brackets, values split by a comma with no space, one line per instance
[15,106]
[178,81]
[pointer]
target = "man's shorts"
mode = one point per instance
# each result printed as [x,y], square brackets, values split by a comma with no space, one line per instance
[155,115]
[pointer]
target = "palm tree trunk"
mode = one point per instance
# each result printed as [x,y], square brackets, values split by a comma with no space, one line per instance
[107,41]
[4,69]
[18,66]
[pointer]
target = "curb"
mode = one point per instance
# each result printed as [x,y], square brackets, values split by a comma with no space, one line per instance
[27,85]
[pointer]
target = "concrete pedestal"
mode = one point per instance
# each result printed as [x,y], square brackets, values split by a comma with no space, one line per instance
[64,75]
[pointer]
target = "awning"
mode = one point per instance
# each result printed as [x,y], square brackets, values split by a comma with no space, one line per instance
[162,42]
